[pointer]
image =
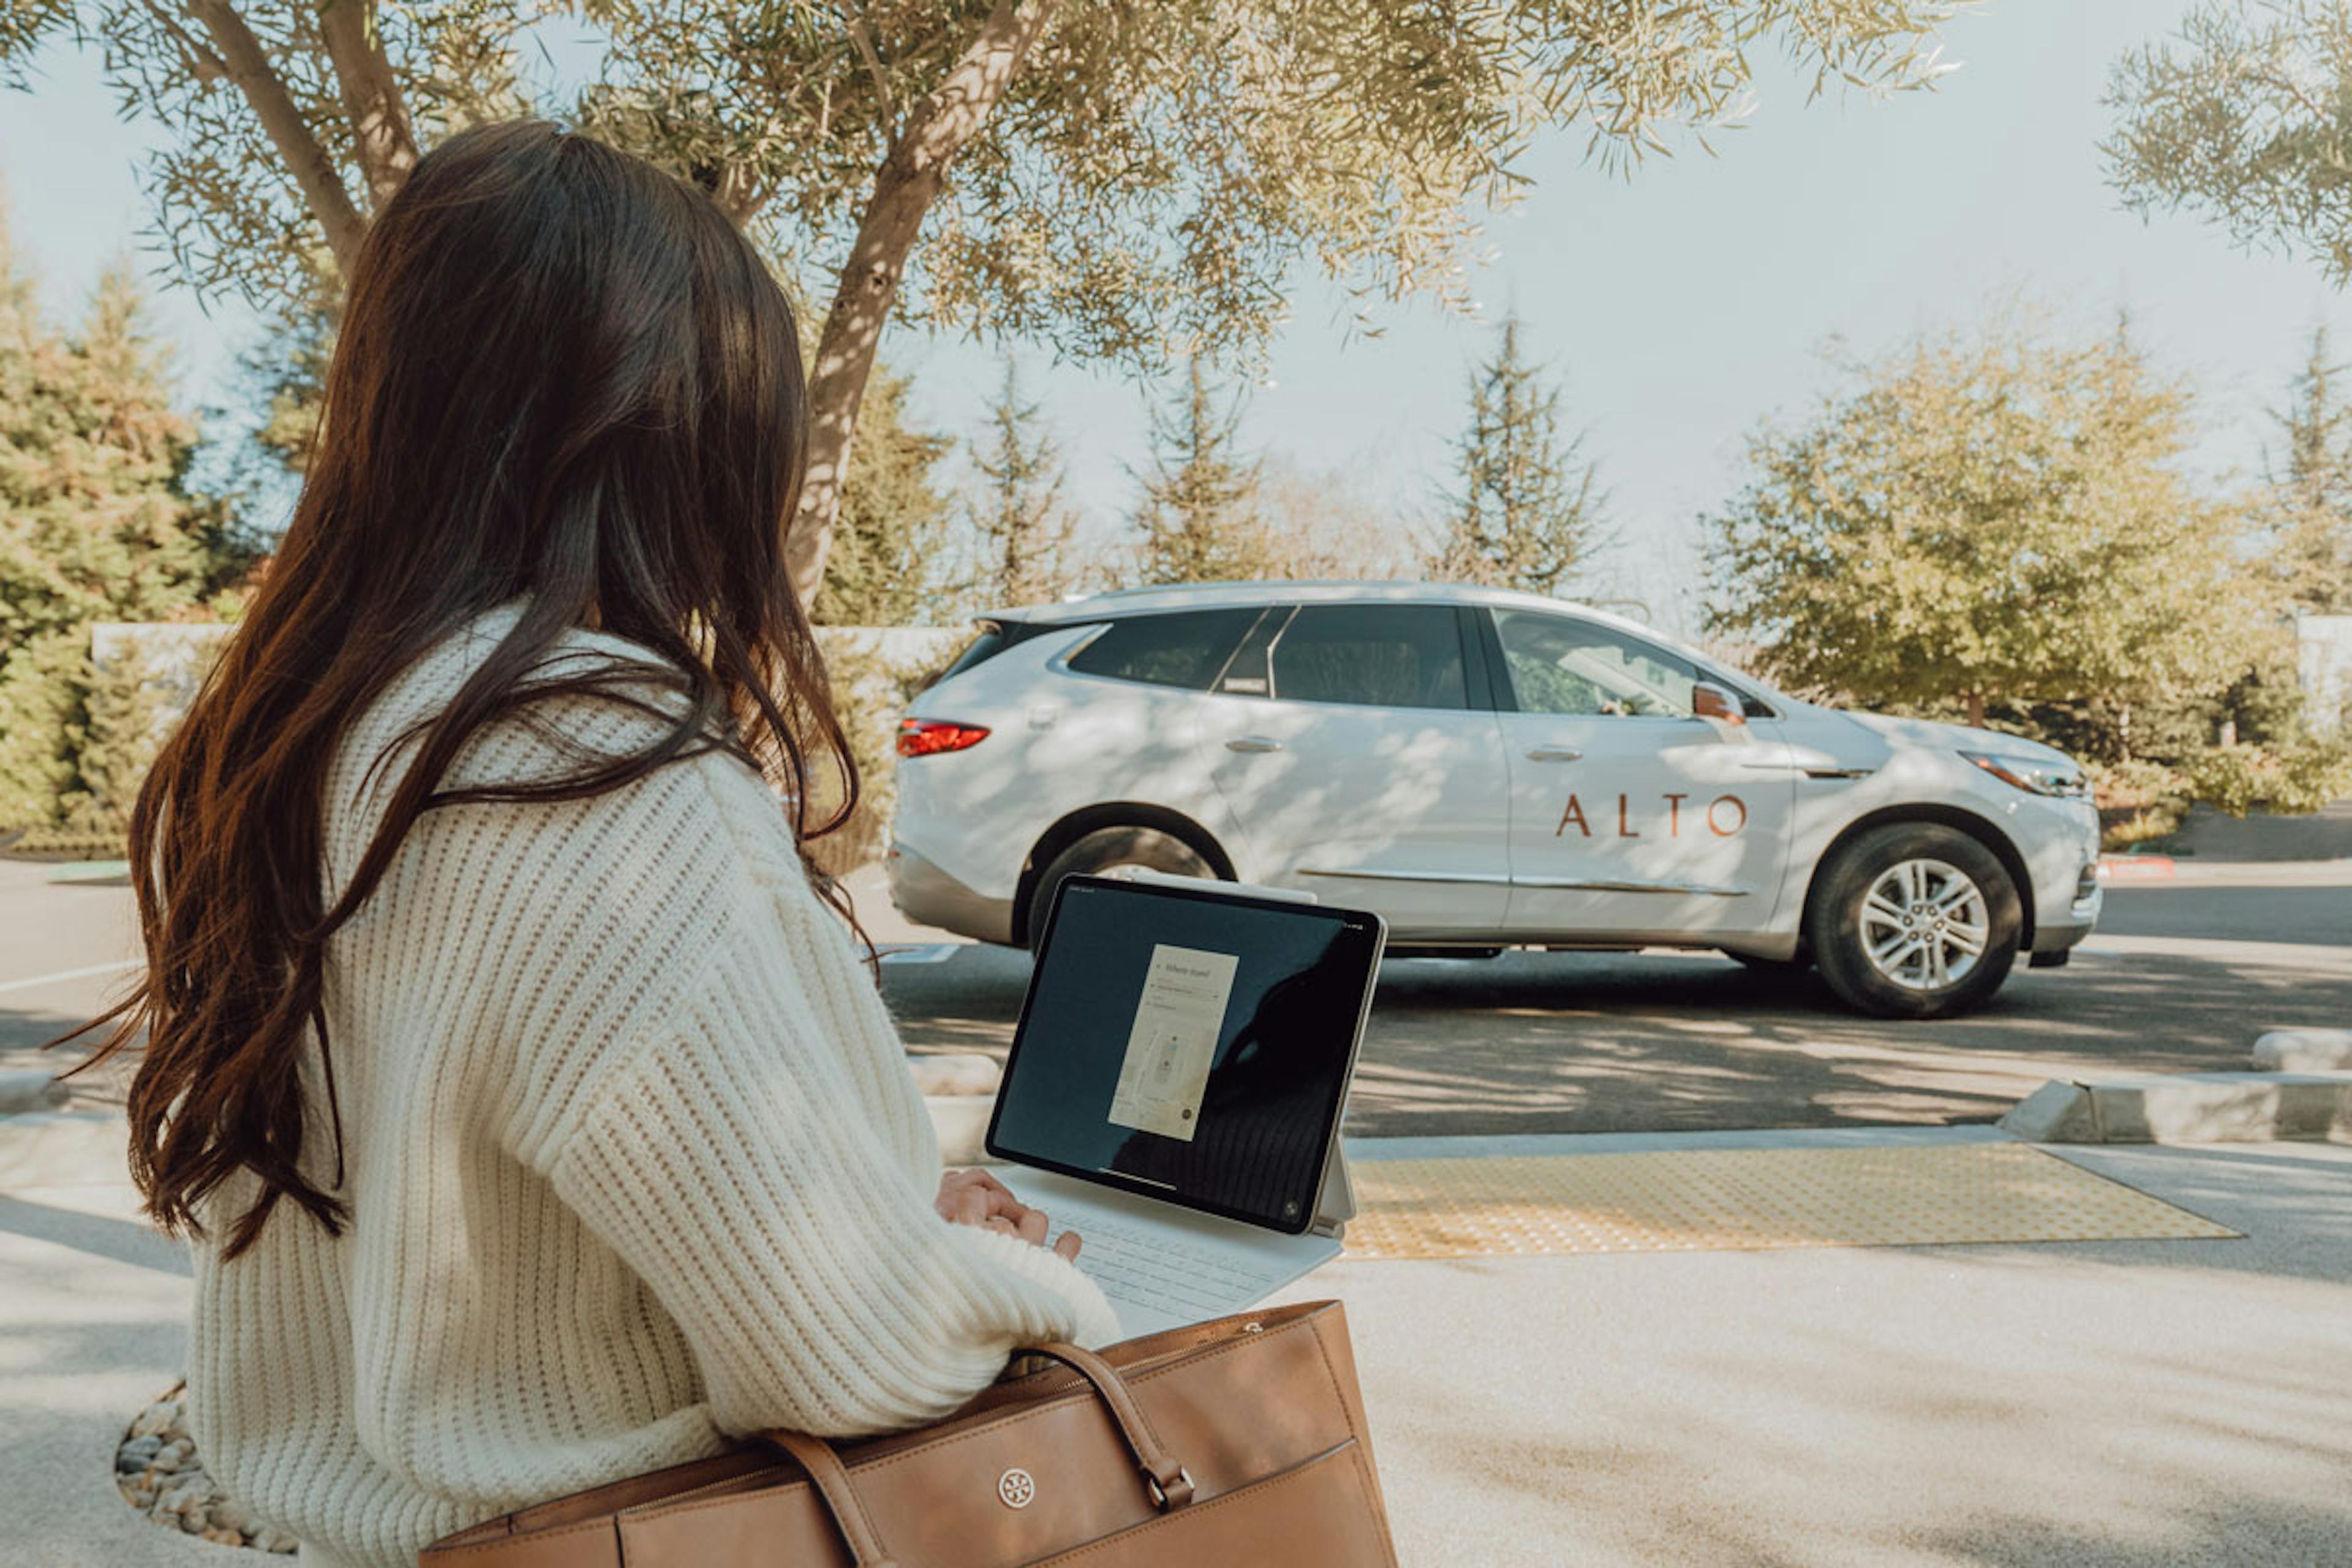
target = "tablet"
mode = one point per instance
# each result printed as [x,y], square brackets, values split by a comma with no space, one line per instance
[1188,1044]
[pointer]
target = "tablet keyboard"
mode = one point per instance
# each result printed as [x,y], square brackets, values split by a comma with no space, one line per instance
[1152,1268]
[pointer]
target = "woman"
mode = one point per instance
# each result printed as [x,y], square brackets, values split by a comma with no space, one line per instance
[534,1117]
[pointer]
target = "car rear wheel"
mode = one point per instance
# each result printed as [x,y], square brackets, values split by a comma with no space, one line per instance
[1914,920]
[1108,849]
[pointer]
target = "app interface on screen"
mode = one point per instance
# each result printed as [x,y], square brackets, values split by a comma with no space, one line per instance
[1177,1021]
[1194,1046]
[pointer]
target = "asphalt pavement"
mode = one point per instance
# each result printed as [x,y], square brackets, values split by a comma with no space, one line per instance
[2182,975]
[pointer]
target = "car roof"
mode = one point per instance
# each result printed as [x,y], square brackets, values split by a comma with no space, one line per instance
[1092,608]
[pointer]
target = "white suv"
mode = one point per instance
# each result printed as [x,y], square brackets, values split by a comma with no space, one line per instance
[1486,770]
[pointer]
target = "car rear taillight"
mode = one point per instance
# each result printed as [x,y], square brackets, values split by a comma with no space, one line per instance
[927,737]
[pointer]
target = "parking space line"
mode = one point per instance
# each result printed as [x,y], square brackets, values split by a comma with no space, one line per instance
[62,974]
[929,952]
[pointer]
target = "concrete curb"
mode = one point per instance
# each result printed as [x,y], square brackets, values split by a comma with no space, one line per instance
[955,1075]
[2303,1050]
[2187,1108]
[962,1123]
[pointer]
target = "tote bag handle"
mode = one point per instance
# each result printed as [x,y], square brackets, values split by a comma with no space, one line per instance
[1165,1479]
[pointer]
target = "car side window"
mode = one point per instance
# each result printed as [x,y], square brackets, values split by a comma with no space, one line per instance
[1184,647]
[1561,664]
[1392,655]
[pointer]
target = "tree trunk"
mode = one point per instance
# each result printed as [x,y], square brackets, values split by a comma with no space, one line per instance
[1976,701]
[911,177]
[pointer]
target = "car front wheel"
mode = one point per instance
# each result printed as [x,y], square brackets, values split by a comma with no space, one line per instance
[1108,849]
[1914,920]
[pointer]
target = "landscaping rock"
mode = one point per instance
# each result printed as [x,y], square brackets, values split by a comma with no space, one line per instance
[158,1473]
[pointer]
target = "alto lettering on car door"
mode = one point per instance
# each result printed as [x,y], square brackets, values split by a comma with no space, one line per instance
[1346,742]
[1630,815]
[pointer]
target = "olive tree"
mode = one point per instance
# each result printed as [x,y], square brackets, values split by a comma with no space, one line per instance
[1989,517]
[2244,116]
[1118,182]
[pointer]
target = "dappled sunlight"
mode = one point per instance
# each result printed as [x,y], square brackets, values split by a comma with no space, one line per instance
[1658,1041]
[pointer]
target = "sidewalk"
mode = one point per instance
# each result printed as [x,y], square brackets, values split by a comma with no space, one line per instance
[2126,1404]
[2111,1403]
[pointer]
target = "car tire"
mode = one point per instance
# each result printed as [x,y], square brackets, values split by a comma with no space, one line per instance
[1894,915]
[1108,849]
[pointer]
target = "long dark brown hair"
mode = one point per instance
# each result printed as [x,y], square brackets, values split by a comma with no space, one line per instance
[565,376]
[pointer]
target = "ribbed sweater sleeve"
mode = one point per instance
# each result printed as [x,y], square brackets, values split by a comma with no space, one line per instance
[763,1162]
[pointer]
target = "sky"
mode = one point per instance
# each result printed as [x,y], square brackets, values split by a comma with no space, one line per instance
[1679,308]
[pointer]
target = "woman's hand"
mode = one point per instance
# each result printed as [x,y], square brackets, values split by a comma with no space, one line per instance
[977,1198]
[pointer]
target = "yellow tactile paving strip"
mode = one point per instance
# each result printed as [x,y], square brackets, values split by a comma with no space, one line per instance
[1703,1200]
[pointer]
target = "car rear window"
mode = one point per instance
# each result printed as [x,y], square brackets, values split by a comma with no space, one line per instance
[995,637]
[985,646]
[1184,647]
[1392,656]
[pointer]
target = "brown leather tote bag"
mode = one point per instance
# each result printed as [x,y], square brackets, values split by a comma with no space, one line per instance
[1238,1441]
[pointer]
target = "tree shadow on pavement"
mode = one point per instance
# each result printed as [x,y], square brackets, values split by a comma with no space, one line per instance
[1658,1042]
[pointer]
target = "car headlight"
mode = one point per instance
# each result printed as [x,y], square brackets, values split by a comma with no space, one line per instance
[2033,774]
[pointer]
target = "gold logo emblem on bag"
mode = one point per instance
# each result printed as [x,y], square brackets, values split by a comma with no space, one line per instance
[1017,1488]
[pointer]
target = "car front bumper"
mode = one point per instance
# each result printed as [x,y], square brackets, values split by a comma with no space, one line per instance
[2056,932]
[928,896]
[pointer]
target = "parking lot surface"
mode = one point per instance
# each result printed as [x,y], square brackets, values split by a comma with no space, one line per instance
[2184,972]
[2182,975]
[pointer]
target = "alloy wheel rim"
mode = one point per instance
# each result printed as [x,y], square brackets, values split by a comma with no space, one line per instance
[1923,924]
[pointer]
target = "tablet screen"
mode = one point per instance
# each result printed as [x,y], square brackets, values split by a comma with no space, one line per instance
[1194,1045]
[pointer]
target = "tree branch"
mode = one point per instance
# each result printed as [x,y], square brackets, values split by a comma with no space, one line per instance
[201,63]
[379,134]
[864,39]
[950,114]
[740,193]
[313,171]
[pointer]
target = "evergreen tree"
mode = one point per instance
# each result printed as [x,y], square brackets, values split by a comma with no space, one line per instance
[97,522]
[885,567]
[1199,517]
[1528,514]
[1022,530]
[2310,501]
[123,723]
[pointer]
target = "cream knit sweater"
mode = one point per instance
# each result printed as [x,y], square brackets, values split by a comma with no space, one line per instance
[632,1157]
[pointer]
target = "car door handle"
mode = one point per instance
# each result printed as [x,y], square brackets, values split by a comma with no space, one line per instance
[1555,755]
[1252,743]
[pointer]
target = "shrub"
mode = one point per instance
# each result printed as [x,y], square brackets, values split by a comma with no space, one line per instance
[2240,779]
[870,690]
[2137,800]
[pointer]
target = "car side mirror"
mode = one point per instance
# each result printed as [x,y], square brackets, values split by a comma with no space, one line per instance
[1714,702]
